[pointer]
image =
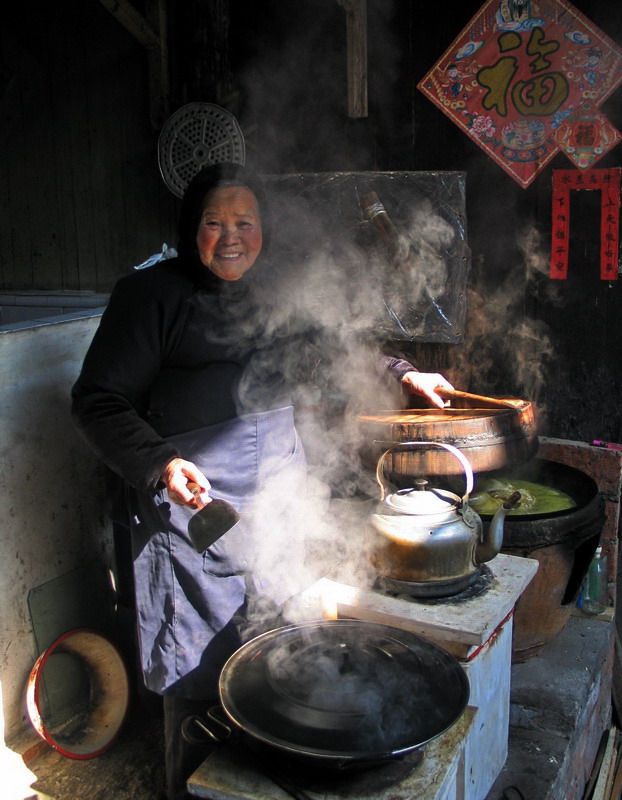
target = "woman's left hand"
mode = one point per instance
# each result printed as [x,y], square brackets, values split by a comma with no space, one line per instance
[425,384]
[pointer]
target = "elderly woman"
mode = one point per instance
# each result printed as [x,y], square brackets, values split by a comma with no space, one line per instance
[158,401]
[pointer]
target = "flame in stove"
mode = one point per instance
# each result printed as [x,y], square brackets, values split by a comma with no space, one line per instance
[329,604]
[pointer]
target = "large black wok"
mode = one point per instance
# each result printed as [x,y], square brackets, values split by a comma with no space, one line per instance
[342,693]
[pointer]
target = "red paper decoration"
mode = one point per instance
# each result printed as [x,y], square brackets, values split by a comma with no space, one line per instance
[518,70]
[607,181]
[586,136]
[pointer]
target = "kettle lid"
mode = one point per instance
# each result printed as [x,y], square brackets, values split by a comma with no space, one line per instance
[420,500]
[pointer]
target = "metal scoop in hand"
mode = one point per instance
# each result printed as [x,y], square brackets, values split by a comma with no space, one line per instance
[210,522]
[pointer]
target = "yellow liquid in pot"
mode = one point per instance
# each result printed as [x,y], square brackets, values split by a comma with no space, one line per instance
[491,493]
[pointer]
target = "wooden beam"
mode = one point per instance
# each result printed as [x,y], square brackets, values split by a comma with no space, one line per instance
[151,32]
[356,43]
[603,785]
[133,22]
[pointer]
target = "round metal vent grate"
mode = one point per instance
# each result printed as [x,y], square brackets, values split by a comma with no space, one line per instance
[196,135]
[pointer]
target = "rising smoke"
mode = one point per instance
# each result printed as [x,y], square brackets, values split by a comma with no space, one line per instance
[318,303]
[312,306]
[506,350]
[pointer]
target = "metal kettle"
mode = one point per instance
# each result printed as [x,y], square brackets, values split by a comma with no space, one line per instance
[431,538]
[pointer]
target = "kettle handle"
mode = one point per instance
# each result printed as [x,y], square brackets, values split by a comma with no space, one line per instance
[468,470]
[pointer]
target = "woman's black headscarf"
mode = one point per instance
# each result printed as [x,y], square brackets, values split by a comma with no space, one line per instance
[207,179]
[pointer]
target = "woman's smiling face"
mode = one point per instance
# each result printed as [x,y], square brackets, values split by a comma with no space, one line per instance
[229,238]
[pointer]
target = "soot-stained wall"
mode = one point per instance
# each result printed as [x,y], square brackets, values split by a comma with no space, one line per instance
[82,199]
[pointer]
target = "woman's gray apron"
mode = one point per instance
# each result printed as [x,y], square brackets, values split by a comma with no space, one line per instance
[190,605]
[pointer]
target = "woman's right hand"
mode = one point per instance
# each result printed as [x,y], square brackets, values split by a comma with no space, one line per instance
[425,384]
[179,476]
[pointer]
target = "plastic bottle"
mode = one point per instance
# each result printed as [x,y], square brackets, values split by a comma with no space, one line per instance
[595,585]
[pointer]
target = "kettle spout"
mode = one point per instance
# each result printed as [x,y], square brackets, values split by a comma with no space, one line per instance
[493,539]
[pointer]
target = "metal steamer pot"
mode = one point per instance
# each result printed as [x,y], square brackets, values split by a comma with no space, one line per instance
[338,694]
[429,541]
[562,542]
[494,434]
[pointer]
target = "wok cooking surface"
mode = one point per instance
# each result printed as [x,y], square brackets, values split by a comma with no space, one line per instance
[343,688]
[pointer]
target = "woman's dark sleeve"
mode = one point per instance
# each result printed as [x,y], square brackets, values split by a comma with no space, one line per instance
[120,365]
[397,367]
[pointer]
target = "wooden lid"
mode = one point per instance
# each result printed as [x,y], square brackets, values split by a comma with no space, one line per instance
[491,438]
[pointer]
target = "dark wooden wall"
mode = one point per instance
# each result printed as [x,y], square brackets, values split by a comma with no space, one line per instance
[81,199]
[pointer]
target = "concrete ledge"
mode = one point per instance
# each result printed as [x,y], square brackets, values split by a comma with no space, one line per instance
[551,691]
[560,704]
[532,765]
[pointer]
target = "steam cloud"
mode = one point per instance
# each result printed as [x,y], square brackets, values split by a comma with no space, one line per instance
[313,307]
[506,349]
[317,313]
[314,310]
[315,321]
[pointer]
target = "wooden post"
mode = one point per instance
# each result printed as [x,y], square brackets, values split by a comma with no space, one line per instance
[207,70]
[159,79]
[356,42]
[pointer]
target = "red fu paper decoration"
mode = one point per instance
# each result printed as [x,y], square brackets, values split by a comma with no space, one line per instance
[607,181]
[516,72]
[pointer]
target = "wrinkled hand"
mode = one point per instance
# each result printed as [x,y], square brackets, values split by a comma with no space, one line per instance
[424,384]
[186,484]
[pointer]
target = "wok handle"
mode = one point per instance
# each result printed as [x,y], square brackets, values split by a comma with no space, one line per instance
[213,715]
[207,734]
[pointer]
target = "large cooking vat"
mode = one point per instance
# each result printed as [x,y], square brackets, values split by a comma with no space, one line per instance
[563,543]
